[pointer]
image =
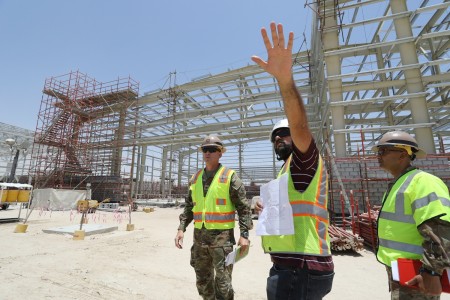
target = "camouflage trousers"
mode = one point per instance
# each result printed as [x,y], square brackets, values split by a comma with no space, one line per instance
[213,278]
[400,292]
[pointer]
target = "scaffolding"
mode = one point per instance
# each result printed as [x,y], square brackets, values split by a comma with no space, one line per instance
[79,136]
[370,67]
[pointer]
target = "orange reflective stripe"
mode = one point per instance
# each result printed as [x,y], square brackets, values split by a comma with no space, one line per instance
[195,177]
[198,217]
[320,239]
[286,164]
[321,184]
[325,220]
[221,201]
[308,208]
[219,217]
[223,176]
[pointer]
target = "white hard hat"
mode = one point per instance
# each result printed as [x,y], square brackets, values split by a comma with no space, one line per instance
[280,124]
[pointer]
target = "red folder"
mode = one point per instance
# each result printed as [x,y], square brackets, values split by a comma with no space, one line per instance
[408,268]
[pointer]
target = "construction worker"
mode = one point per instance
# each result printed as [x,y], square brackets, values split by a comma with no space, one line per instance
[302,264]
[413,222]
[215,194]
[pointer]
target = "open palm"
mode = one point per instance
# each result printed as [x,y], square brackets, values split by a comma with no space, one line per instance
[279,56]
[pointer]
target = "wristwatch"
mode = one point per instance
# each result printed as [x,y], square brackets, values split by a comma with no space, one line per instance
[244,234]
[425,270]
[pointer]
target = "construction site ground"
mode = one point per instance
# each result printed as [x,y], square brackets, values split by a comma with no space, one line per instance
[142,263]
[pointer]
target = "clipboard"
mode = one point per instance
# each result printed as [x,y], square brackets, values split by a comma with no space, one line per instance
[405,269]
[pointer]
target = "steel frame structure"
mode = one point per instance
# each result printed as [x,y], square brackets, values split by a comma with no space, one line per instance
[372,66]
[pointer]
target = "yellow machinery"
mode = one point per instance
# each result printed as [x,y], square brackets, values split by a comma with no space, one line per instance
[89,206]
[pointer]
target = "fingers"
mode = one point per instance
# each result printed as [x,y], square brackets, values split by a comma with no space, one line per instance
[259,61]
[290,41]
[259,207]
[244,247]
[416,281]
[179,242]
[280,36]
[411,282]
[243,242]
[273,29]
[266,39]
[277,36]
[278,39]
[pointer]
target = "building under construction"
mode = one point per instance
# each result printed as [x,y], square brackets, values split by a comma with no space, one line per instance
[369,67]
[80,133]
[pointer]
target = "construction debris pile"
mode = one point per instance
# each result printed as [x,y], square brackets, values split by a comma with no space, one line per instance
[342,240]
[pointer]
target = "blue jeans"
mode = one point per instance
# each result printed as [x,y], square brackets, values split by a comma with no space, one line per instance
[288,283]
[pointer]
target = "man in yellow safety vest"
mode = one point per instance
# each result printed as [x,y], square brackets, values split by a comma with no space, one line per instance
[414,220]
[302,264]
[215,194]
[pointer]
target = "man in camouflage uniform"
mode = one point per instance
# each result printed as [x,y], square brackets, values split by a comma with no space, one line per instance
[215,193]
[414,220]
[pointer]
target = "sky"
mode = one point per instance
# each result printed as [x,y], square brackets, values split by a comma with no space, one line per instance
[144,39]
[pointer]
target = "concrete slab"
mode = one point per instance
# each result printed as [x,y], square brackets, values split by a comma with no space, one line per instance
[89,229]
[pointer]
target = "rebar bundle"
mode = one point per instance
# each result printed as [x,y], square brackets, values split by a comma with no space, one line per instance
[342,240]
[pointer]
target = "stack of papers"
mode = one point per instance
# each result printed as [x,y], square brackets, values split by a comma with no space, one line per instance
[236,255]
[276,216]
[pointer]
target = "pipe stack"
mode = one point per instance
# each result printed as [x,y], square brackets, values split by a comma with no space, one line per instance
[342,240]
[366,227]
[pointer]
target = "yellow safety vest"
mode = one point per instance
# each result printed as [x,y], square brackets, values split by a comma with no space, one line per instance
[310,218]
[215,211]
[414,198]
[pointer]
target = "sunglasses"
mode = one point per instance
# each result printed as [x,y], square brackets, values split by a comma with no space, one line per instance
[281,133]
[210,149]
[383,151]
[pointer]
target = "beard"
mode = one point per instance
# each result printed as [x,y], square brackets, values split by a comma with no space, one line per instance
[283,150]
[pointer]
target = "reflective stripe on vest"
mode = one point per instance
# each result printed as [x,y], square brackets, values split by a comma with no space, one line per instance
[215,210]
[285,166]
[195,177]
[388,249]
[319,207]
[223,177]
[422,202]
[399,215]
[310,215]
[414,198]
[401,246]
[219,218]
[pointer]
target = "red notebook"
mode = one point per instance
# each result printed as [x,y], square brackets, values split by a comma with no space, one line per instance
[406,269]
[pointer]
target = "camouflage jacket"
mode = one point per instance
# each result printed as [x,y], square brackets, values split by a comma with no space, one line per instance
[217,237]
[436,244]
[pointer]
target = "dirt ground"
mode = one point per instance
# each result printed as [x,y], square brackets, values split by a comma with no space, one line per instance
[141,264]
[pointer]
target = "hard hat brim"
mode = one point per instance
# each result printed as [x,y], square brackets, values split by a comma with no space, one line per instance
[419,153]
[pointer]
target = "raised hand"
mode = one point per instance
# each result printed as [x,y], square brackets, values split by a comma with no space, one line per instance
[279,55]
